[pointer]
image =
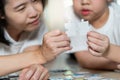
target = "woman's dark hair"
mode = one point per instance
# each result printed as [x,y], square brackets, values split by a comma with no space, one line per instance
[3,22]
[44,2]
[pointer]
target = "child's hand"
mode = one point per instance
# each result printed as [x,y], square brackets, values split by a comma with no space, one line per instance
[98,44]
[34,72]
[54,43]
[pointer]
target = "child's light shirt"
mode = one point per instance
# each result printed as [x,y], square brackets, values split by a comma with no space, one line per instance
[112,26]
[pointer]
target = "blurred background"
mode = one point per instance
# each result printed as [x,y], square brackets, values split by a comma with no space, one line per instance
[118,1]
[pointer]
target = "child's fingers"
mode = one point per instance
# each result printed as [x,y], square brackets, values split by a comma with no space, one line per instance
[95,41]
[102,42]
[97,35]
[93,46]
[96,48]
[95,53]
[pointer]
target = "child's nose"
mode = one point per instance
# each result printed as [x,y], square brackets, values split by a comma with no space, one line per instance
[84,2]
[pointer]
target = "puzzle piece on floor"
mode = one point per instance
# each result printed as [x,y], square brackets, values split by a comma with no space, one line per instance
[67,74]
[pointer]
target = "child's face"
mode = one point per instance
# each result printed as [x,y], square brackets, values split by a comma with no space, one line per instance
[90,9]
[23,15]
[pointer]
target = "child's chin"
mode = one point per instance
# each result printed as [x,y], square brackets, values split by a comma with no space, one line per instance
[86,18]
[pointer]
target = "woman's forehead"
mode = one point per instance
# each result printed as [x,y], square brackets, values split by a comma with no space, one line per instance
[16,1]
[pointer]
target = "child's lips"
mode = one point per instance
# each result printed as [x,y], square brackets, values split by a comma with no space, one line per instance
[85,12]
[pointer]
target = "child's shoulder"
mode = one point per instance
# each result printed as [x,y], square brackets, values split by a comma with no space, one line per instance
[116,8]
[116,11]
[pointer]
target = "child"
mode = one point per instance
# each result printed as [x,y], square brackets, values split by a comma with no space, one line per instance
[100,14]
[101,45]
[22,45]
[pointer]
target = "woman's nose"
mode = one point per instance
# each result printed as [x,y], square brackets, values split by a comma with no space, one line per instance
[33,12]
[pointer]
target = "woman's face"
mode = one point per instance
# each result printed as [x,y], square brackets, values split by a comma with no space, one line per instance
[23,15]
[90,9]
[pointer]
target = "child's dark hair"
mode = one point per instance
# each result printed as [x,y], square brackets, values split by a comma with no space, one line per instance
[3,22]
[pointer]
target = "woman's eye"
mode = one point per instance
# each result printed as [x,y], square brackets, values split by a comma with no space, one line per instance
[21,8]
[36,0]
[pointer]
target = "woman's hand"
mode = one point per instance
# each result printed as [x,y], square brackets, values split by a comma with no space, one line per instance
[98,44]
[54,43]
[34,72]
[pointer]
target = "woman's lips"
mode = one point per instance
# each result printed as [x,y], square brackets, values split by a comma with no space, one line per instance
[35,22]
[85,12]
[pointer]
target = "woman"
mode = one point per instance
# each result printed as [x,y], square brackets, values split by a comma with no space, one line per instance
[21,31]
